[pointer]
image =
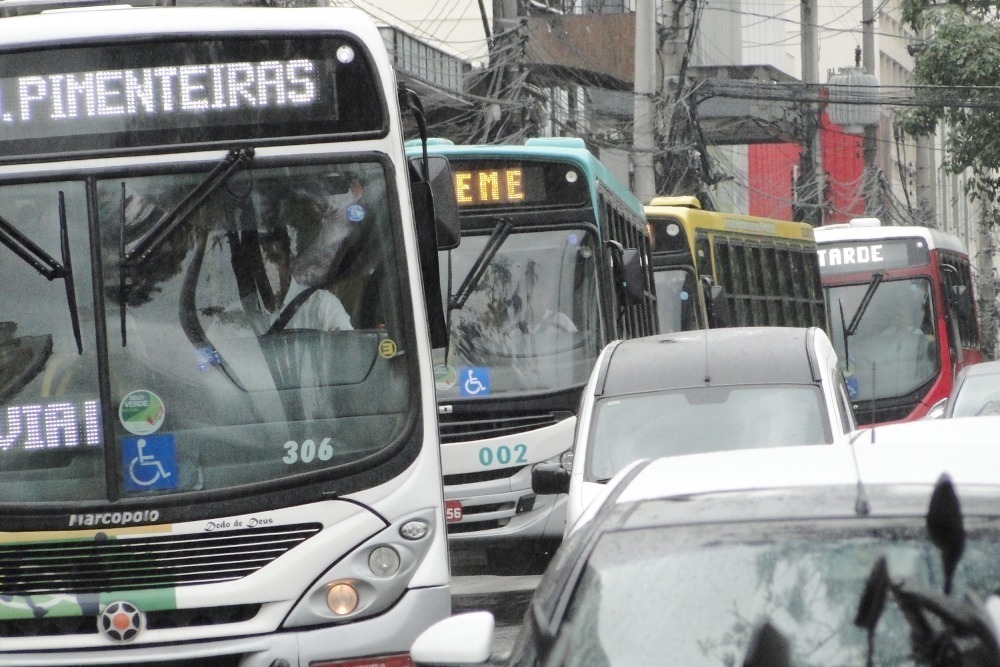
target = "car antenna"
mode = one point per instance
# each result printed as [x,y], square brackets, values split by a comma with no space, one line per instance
[861,505]
[708,377]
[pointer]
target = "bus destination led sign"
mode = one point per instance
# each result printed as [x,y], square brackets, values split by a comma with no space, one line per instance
[193,91]
[50,425]
[496,186]
[875,255]
[156,91]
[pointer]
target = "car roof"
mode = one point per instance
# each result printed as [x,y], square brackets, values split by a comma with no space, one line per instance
[729,356]
[900,463]
[929,432]
[982,368]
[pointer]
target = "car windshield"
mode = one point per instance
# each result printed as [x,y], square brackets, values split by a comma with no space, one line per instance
[703,419]
[697,593]
[531,319]
[893,351]
[244,344]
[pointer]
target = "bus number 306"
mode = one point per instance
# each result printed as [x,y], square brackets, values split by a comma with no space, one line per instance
[503,454]
[308,451]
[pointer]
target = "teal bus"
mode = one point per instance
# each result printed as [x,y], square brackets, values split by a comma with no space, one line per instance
[554,263]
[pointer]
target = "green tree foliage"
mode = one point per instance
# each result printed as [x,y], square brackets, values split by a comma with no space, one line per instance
[957,71]
[957,74]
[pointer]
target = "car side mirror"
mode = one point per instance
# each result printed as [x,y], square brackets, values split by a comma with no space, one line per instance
[549,478]
[462,639]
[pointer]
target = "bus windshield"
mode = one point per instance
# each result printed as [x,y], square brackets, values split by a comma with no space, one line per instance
[249,332]
[893,352]
[531,321]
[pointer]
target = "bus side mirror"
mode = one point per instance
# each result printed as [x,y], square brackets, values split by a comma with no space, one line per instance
[435,215]
[716,303]
[961,301]
[437,200]
[626,263]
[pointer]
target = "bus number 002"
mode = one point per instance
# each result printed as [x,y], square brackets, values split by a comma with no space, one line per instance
[503,455]
[308,451]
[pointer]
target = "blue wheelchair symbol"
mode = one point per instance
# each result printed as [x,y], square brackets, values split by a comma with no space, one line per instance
[474,381]
[149,462]
[852,387]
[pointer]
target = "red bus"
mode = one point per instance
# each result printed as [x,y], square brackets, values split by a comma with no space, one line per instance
[902,314]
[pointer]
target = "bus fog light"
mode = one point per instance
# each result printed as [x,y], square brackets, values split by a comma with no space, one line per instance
[341,598]
[383,561]
[414,530]
[566,460]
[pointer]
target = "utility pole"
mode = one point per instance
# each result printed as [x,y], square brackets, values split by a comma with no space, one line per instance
[643,134]
[810,195]
[869,140]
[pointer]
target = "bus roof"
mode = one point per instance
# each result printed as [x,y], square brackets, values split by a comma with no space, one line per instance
[572,149]
[65,26]
[936,239]
[688,209]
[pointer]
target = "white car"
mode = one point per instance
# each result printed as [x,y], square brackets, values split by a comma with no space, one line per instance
[700,391]
[843,554]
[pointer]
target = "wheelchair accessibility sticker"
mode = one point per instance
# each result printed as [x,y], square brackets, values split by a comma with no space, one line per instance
[474,381]
[149,462]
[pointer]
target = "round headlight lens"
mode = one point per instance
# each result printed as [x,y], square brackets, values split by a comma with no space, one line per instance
[566,460]
[383,561]
[342,598]
[416,529]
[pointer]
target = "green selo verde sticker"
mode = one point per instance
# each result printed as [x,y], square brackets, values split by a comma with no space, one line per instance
[141,412]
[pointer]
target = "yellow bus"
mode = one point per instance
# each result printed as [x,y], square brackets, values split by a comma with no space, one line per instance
[716,269]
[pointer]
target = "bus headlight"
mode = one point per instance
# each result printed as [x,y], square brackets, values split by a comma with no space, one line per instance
[370,577]
[566,460]
[415,530]
[383,561]
[341,598]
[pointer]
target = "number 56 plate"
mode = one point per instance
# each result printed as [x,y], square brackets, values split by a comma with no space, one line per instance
[452,511]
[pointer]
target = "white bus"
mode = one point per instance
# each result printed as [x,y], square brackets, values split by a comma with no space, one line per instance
[218,433]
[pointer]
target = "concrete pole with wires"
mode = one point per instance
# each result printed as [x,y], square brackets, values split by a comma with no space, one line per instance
[644,130]
[812,198]
[869,141]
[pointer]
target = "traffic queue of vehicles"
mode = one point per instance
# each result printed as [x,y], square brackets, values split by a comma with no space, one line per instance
[725,506]
[200,186]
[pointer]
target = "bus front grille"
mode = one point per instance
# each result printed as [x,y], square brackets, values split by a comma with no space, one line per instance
[458,479]
[459,428]
[108,564]
[57,626]
[865,414]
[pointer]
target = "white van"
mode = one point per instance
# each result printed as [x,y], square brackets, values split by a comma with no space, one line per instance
[700,391]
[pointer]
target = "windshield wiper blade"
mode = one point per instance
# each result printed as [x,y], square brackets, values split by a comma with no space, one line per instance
[873,284]
[220,174]
[497,238]
[45,264]
[235,160]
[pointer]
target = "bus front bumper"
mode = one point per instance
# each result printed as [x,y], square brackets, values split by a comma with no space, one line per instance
[391,633]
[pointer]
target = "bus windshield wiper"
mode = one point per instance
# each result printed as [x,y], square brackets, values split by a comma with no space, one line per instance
[174,218]
[873,284]
[45,264]
[500,234]
[220,174]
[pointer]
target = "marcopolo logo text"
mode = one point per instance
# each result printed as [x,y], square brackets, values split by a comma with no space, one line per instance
[114,518]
